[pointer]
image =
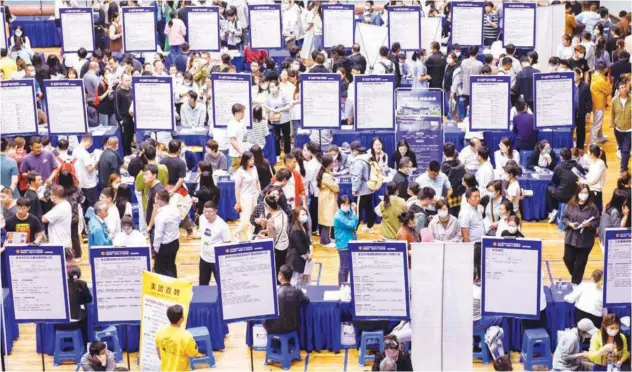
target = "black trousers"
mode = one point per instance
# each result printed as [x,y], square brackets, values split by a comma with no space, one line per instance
[580,129]
[598,199]
[285,129]
[579,315]
[279,260]
[91,196]
[553,198]
[75,240]
[207,270]
[313,212]
[365,203]
[127,134]
[575,260]
[165,260]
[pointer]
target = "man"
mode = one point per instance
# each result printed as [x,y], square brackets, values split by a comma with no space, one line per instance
[7,203]
[469,154]
[116,68]
[290,302]
[524,127]
[568,352]
[150,179]
[564,183]
[401,177]
[166,235]
[485,172]
[319,67]
[91,82]
[510,49]
[578,61]
[235,133]
[384,66]
[41,161]
[110,162]
[456,48]
[436,65]
[470,218]
[394,57]
[192,114]
[569,19]
[113,219]
[176,167]
[454,169]
[85,168]
[8,169]
[159,68]
[7,64]
[491,25]
[524,81]
[621,122]
[435,179]
[214,231]
[620,67]
[174,344]
[34,183]
[141,186]
[25,227]
[582,101]
[600,90]
[97,229]
[589,17]
[122,105]
[214,156]
[589,47]
[469,67]
[357,59]
[59,218]
[370,15]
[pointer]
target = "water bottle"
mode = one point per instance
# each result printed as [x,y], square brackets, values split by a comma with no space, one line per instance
[558,287]
[611,364]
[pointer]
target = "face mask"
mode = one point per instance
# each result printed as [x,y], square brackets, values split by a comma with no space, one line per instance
[458,54]
[583,196]
[116,185]
[32,74]
[274,89]
[443,213]
[612,332]
[581,55]
[303,218]
[264,86]
[491,194]
[512,229]
[295,66]
[504,177]
[18,33]
[450,60]
[553,68]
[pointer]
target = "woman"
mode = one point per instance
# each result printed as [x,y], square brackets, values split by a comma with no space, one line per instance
[260,92]
[469,182]
[129,236]
[403,150]
[114,181]
[565,49]
[74,196]
[407,231]
[78,297]
[247,188]
[264,169]
[608,345]
[413,192]
[393,352]
[299,248]
[341,163]
[286,86]
[344,80]
[176,32]
[513,191]
[104,99]
[505,153]
[421,79]
[504,212]
[314,29]
[616,215]
[580,220]
[122,200]
[345,226]
[20,46]
[444,227]
[257,135]
[588,299]
[72,73]
[54,66]
[491,206]
[300,161]
[389,209]
[596,177]
[449,105]
[513,228]
[542,157]
[601,54]
[98,358]
[377,153]
[277,227]
[207,191]
[327,199]
[116,35]
[278,106]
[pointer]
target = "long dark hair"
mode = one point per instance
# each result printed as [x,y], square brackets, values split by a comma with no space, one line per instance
[245,157]
[123,196]
[298,155]
[67,182]
[206,180]
[609,320]
[373,156]
[296,223]
[477,262]
[510,149]
[598,152]
[391,189]
[260,161]
[326,162]
[619,198]
[590,202]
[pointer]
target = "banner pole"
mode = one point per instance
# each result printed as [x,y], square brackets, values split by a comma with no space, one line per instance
[41,334]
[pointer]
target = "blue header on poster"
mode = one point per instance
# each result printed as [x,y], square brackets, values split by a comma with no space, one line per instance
[520,6]
[67,83]
[62,11]
[611,236]
[140,9]
[204,9]
[22,83]
[570,76]
[338,7]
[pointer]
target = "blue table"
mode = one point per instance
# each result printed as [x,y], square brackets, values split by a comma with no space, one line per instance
[340,136]
[204,311]
[7,319]
[41,31]
[100,136]
[534,207]
[455,135]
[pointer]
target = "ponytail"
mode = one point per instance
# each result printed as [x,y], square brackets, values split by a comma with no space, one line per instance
[172,15]
[391,189]
[327,160]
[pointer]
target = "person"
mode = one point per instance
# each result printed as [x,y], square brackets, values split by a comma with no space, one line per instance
[85,169]
[524,81]
[524,127]
[265,171]
[113,220]
[318,66]
[235,133]
[41,161]
[7,64]
[311,152]
[140,184]
[491,203]
[75,197]
[207,191]
[589,18]
[393,352]
[247,187]
[174,344]
[377,153]
[22,223]
[600,89]
[456,173]
[116,35]
[257,135]
[177,171]
[403,150]
[412,193]
[578,61]
[503,363]
[505,153]
[436,180]
[491,25]
[214,156]
[110,162]
[341,161]
[444,227]
[390,208]
[192,114]
[327,199]
[569,19]
[384,66]
[97,229]
[587,297]
[7,203]
[422,207]
[469,154]
[615,215]
[542,157]
[214,231]
[79,297]
[122,106]
[596,177]
[98,358]
[582,99]
[401,177]
[345,226]
[59,218]
[290,301]
[621,121]
[485,172]
[470,218]
[8,169]
[564,183]
[513,191]
[34,183]
[609,345]
[504,212]
[166,236]
[300,246]
[450,91]
[436,65]
[122,199]
[513,228]
[176,32]
[278,106]
[360,174]
[580,220]
[407,230]
[420,77]
[469,67]
[276,228]
[568,353]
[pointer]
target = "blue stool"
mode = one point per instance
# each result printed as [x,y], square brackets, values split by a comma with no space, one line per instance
[76,346]
[561,208]
[109,335]
[484,353]
[201,336]
[378,337]
[536,340]
[286,354]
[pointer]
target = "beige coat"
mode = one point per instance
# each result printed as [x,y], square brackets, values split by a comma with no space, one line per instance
[328,200]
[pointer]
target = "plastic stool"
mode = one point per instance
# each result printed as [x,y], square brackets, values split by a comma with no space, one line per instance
[77,346]
[286,355]
[484,353]
[201,336]
[109,335]
[364,341]
[561,208]
[536,340]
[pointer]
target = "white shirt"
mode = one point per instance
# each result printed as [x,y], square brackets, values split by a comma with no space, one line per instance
[166,226]
[87,179]
[134,239]
[587,298]
[246,180]
[513,190]
[379,69]
[219,135]
[484,175]
[471,219]
[311,171]
[596,176]
[212,234]
[235,129]
[501,159]
[113,220]
[317,22]
[468,157]
[59,221]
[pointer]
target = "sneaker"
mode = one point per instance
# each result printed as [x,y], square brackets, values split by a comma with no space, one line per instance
[365,229]
[552,215]
[368,230]
[602,139]
[619,154]
[330,245]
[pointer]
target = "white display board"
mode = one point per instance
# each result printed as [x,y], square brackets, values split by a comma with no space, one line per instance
[265,26]
[430,31]
[139,29]
[66,106]
[77,29]
[18,113]
[467,23]
[374,102]
[203,28]
[617,290]
[338,25]
[404,27]
[550,21]
[320,101]
[371,38]
[553,100]
[489,102]
[519,24]
[153,103]
[229,89]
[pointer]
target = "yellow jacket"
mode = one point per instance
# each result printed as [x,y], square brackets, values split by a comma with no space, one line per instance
[596,343]
[622,115]
[600,90]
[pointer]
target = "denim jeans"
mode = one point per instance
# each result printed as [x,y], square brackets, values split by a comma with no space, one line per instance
[343,271]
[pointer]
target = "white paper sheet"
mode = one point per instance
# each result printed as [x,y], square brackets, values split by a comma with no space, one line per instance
[17,111]
[77,31]
[554,102]
[139,33]
[375,104]
[338,27]
[226,94]
[66,112]
[619,274]
[265,28]
[490,106]
[321,103]
[153,108]
[519,26]
[467,25]
[202,30]
[404,27]
[3,28]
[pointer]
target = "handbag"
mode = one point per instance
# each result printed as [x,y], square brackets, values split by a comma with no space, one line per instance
[274,117]
[347,334]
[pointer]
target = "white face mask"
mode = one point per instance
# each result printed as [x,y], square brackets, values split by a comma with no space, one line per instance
[303,218]
[583,196]
[612,332]
[457,54]
[116,185]
[264,86]
[345,208]
[450,60]
[274,89]
[491,194]
[442,213]
[18,33]
[512,229]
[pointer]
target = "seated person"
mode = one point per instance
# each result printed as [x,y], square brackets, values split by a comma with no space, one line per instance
[214,156]
[98,358]
[588,299]
[403,150]
[128,236]
[542,157]
[513,228]
[341,163]
[564,183]
[393,352]
[568,353]
[503,363]
[290,301]
[505,153]
[608,344]
[505,210]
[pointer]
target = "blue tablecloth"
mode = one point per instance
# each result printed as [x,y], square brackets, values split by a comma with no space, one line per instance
[7,319]
[534,207]
[340,136]
[100,135]
[204,311]
[40,30]
[455,135]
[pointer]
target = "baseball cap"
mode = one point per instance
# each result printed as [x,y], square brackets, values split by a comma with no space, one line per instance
[586,325]
[356,145]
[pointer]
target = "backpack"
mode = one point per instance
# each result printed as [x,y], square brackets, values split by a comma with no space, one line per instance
[374,183]
[388,68]
[68,165]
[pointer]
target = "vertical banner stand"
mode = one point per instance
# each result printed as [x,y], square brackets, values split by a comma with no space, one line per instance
[252,363]
[126,331]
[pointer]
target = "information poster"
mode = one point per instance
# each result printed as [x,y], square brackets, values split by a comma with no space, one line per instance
[617,279]
[404,26]
[265,26]
[467,24]
[38,283]
[159,292]
[77,29]
[553,100]
[519,24]
[374,102]
[320,101]
[338,25]
[117,275]
[3,29]
[379,280]
[230,89]
[66,106]
[203,28]
[511,277]
[139,29]
[247,280]
[153,103]
[418,117]
[18,114]
[489,103]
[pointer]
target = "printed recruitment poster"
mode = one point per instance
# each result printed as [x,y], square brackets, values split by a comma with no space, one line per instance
[617,280]
[159,292]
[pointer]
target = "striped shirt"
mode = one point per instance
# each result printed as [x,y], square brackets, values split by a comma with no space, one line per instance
[488,31]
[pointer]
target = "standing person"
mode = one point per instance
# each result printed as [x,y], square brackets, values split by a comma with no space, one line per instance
[578,60]
[116,35]
[401,177]
[175,345]
[314,28]
[113,220]
[524,81]
[589,17]
[581,220]
[166,236]
[485,172]
[420,77]
[390,208]
[436,65]
[59,219]
[600,89]
[407,230]
[235,133]
[615,215]
[609,347]
[34,182]
[360,174]
[435,179]
[300,246]
[149,153]
[469,67]
[154,186]
[277,228]
[469,154]
[327,199]
[214,231]
[622,123]
[524,127]
[85,168]
[596,177]
[247,187]
[513,191]
[345,226]
[582,101]
[110,162]
[207,191]
[491,27]
[97,229]
[25,223]
[8,169]
[569,19]
[176,32]
[312,167]
[264,169]
[278,106]
[470,218]
[41,161]
[122,106]
[448,95]
[75,197]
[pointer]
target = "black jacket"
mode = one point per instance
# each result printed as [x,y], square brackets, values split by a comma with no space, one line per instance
[580,213]
[564,180]
[455,170]
[404,363]
[290,301]
[401,180]
[585,100]
[109,163]
[358,59]
[398,74]
[535,157]
[396,157]
[205,194]
[436,64]
[299,245]
[319,69]
[524,83]
[78,295]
